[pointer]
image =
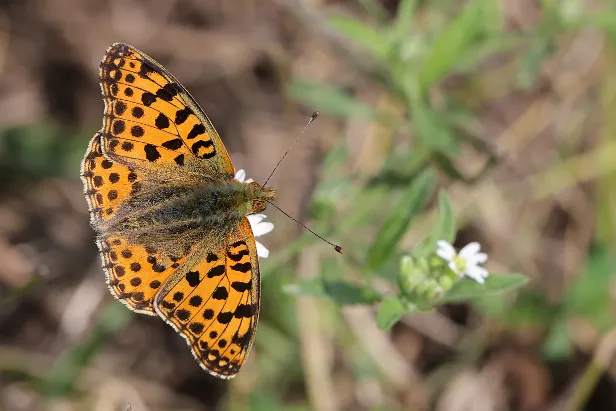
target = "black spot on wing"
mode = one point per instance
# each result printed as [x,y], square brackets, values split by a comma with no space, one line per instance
[242,267]
[238,256]
[220,293]
[240,286]
[206,145]
[241,340]
[245,311]
[167,92]
[179,160]
[197,130]
[151,152]
[182,115]
[216,271]
[162,121]
[193,278]
[224,317]
[196,328]
[148,98]
[173,144]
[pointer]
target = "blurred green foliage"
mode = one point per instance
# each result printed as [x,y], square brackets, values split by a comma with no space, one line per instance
[406,62]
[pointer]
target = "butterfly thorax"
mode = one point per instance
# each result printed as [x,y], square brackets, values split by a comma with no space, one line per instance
[171,218]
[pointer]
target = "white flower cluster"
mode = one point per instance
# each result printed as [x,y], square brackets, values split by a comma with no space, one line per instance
[466,262]
[259,227]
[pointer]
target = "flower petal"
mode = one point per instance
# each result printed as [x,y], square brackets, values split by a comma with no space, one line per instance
[481,258]
[476,259]
[445,250]
[262,228]
[240,175]
[262,251]
[255,219]
[444,255]
[469,250]
[477,273]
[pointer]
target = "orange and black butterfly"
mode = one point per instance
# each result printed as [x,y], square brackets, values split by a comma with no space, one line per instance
[169,216]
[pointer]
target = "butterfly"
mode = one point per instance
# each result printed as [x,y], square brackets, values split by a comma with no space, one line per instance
[170,219]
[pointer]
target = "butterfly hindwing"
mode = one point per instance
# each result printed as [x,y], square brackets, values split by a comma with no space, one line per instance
[134,274]
[215,305]
[152,119]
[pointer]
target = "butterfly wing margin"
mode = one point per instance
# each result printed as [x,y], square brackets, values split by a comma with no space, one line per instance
[214,306]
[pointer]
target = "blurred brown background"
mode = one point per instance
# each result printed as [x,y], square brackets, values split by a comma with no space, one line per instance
[544,207]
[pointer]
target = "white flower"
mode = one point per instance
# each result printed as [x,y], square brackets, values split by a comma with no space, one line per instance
[259,227]
[466,262]
[240,175]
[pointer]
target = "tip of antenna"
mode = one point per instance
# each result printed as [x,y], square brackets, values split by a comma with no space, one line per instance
[339,249]
[314,116]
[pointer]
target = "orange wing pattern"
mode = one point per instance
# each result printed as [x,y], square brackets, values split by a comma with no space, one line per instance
[107,184]
[134,274]
[215,305]
[152,119]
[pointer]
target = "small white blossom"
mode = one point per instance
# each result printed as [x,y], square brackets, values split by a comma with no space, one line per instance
[259,227]
[466,262]
[240,176]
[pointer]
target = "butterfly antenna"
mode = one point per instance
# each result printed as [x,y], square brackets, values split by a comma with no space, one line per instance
[313,117]
[336,247]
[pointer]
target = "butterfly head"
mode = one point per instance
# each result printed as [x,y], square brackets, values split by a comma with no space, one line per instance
[260,196]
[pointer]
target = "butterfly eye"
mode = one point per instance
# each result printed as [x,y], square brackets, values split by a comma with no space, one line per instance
[258,206]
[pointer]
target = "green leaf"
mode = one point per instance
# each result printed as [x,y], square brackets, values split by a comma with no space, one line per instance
[558,345]
[432,131]
[345,293]
[527,309]
[392,309]
[399,220]
[445,165]
[489,47]
[532,62]
[468,289]
[588,295]
[312,288]
[404,19]
[363,34]
[342,292]
[328,100]
[445,228]
[452,44]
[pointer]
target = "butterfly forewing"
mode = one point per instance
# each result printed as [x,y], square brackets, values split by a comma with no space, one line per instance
[151,118]
[215,305]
